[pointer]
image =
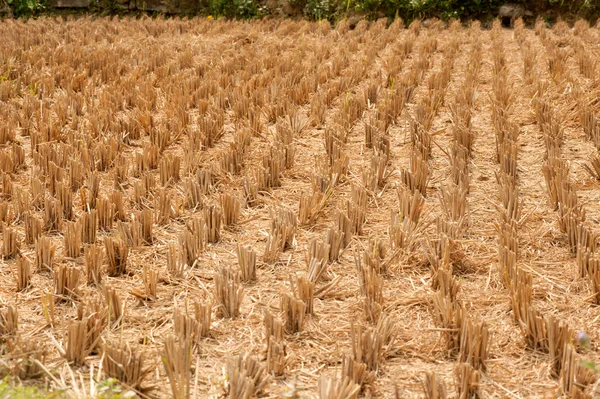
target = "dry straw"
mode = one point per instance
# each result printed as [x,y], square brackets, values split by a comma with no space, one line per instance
[575,376]
[44,254]
[357,372]
[89,226]
[93,260]
[371,289]
[251,190]
[448,316]
[375,175]
[306,292]
[212,219]
[52,214]
[75,350]
[95,313]
[141,194]
[283,223]
[126,365]
[228,293]
[231,209]
[24,273]
[410,203]
[293,310]
[193,240]
[9,322]
[158,168]
[275,346]
[281,235]
[521,293]
[434,386]
[65,197]
[72,239]
[317,258]
[93,191]
[276,358]
[205,179]
[367,346]
[193,194]
[120,171]
[203,315]
[453,201]
[402,232]
[33,228]
[169,167]
[356,208]
[163,207]
[23,362]
[117,252]
[175,263]
[246,377]
[311,207]
[467,381]
[247,262]
[474,343]
[177,359]
[594,167]
[335,388]
[66,282]
[116,309]
[416,177]
[334,239]
[559,336]
[150,282]
[274,328]
[10,242]
[446,283]
[106,213]
[231,160]
[192,328]
[374,256]
[6,213]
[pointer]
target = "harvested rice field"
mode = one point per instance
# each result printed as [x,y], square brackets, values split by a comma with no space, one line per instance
[199,208]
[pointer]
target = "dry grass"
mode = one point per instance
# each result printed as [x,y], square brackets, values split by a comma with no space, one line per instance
[388,207]
[10,242]
[177,359]
[247,261]
[44,254]
[467,381]
[93,260]
[434,387]
[117,252]
[124,364]
[228,293]
[294,310]
[9,322]
[75,343]
[66,282]
[24,360]
[246,377]
[24,273]
[332,388]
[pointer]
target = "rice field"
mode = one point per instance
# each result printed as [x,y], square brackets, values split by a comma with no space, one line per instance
[224,209]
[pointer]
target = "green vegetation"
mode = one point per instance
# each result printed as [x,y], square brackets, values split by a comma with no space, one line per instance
[110,389]
[106,389]
[8,389]
[334,10]
[240,9]
[408,10]
[26,8]
[444,9]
